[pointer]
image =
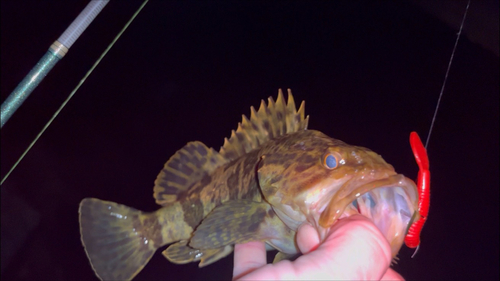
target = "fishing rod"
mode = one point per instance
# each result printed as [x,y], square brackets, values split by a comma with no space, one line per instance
[53,55]
[77,86]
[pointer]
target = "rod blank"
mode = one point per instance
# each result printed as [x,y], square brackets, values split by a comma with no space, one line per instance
[55,53]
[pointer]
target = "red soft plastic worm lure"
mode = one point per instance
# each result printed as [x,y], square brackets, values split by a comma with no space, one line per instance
[412,239]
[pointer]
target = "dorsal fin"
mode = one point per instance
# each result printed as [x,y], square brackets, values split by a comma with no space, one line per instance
[186,167]
[276,119]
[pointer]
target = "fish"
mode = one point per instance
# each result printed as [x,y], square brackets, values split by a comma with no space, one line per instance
[271,176]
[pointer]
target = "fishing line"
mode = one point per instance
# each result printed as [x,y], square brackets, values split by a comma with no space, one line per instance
[74,90]
[442,88]
[446,75]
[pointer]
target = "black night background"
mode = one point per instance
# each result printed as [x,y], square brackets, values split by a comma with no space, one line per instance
[370,73]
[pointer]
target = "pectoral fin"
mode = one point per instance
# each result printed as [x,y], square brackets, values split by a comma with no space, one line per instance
[236,221]
[212,255]
[241,221]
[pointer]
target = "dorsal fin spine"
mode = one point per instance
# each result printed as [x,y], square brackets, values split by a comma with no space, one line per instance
[291,102]
[253,113]
[276,118]
[302,109]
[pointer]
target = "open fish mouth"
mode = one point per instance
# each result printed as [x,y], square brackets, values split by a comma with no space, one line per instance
[389,202]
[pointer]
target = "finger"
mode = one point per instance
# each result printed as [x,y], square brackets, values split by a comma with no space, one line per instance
[353,250]
[390,274]
[248,257]
[307,238]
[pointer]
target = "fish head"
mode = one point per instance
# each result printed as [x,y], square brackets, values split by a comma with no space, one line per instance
[317,179]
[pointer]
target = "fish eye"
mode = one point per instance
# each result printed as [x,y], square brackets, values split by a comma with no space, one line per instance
[330,161]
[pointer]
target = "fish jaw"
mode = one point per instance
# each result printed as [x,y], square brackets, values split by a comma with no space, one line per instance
[387,198]
[389,202]
[308,206]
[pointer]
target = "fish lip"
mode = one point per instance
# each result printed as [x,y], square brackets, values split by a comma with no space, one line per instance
[358,186]
[386,180]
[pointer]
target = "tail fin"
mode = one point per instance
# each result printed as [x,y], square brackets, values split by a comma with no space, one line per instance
[116,238]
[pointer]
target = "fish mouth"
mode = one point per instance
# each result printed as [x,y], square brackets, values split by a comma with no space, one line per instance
[388,200]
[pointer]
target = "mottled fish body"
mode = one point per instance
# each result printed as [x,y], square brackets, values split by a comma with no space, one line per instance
[268,178]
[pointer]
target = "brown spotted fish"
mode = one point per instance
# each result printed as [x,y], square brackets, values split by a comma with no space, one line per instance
[269,177]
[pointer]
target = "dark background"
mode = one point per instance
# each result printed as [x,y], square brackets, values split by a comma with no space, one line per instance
[370,72]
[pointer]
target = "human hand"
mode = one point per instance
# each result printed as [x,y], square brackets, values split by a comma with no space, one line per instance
[354,249]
